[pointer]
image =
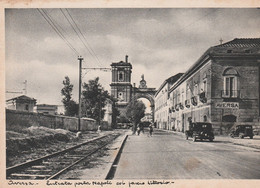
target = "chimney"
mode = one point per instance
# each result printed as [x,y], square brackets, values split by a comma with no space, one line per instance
[126,58]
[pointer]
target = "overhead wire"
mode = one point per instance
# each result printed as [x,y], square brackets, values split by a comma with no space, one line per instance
[57,24]
[89,49]
[54,27]
[83,36]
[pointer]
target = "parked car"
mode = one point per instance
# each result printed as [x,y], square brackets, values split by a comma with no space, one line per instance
[200,130]
[242,131]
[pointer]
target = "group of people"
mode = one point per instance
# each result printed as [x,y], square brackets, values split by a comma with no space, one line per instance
[141,128]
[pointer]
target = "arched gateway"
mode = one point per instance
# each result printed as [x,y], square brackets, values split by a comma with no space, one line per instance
[122,89]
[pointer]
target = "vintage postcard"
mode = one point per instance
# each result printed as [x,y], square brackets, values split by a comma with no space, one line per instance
[130,94]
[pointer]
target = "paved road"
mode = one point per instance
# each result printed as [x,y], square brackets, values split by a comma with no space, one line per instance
[170,156]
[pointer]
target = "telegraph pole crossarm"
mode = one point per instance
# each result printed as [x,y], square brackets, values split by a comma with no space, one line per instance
[103,69]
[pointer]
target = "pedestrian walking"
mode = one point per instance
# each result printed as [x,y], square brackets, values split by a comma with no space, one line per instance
[138,130]
[150,130]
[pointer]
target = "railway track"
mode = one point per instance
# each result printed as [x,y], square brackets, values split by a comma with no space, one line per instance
[53,165]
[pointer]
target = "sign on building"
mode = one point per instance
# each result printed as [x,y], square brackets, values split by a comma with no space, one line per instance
[227,105]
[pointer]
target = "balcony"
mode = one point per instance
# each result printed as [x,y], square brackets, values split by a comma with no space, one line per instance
[194,101]
[177,107]
[187,103]
[203,98]
[181,106]
[234,94]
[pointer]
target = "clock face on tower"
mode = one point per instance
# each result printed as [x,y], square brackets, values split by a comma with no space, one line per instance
[143,83]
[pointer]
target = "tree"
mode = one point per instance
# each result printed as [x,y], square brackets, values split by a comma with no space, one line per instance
[135,111]
[71,107]
[115,111]
[93,100]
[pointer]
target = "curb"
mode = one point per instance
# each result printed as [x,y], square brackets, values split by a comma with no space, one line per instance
[169,131]
[110,164]
[217,137]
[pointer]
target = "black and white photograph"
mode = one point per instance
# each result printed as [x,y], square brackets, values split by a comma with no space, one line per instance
[131,97]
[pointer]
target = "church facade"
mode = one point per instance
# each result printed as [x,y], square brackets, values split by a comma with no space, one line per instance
[122,88]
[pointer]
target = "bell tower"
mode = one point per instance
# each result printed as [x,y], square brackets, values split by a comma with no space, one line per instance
[121,86]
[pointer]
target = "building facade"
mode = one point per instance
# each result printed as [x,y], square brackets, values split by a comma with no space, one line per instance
[222,87]
[121,87]
[21,103]
[47,109]
[161,112]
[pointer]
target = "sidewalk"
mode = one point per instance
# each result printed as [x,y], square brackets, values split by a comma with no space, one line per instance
[101,165]
[253,143]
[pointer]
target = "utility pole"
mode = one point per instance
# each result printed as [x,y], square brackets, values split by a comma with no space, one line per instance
[100,109]
[221,40]
[25,87]
[80,69]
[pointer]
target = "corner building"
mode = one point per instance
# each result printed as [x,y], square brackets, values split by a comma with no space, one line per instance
[222,87]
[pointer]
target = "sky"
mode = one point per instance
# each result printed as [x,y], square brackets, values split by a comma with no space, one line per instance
[159,42]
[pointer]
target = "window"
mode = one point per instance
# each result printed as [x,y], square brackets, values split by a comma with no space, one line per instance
[195,89]
[204,86]
[120,96]
[230,84]
[121,76]
[27,107]
[205,118]
[188,93]
[229,118]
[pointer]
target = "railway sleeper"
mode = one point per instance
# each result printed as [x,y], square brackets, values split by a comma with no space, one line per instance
[31,176]
[38,166]
[34,170]
[79,153]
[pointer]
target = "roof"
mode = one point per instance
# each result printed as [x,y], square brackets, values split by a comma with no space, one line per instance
[174,78]
[242,42]
[51,105]
[22,97]
[46,106]
[238,46]
[122,63]
[171,80]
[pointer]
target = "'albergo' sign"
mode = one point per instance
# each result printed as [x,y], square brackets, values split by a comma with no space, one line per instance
[227,105]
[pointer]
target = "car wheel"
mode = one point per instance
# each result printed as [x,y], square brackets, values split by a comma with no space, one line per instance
[194,139]
[211,139]
[251,137]
[241,136]
[187,137]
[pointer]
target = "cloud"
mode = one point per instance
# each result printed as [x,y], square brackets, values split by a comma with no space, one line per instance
[44,80]
[159,42]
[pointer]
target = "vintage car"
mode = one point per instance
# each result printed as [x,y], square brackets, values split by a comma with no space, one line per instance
[200,130]
[242,131]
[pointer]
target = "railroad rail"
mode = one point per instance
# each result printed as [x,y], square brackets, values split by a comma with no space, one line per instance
[53,165]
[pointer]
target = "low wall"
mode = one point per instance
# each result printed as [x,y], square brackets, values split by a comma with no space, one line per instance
[20,120]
